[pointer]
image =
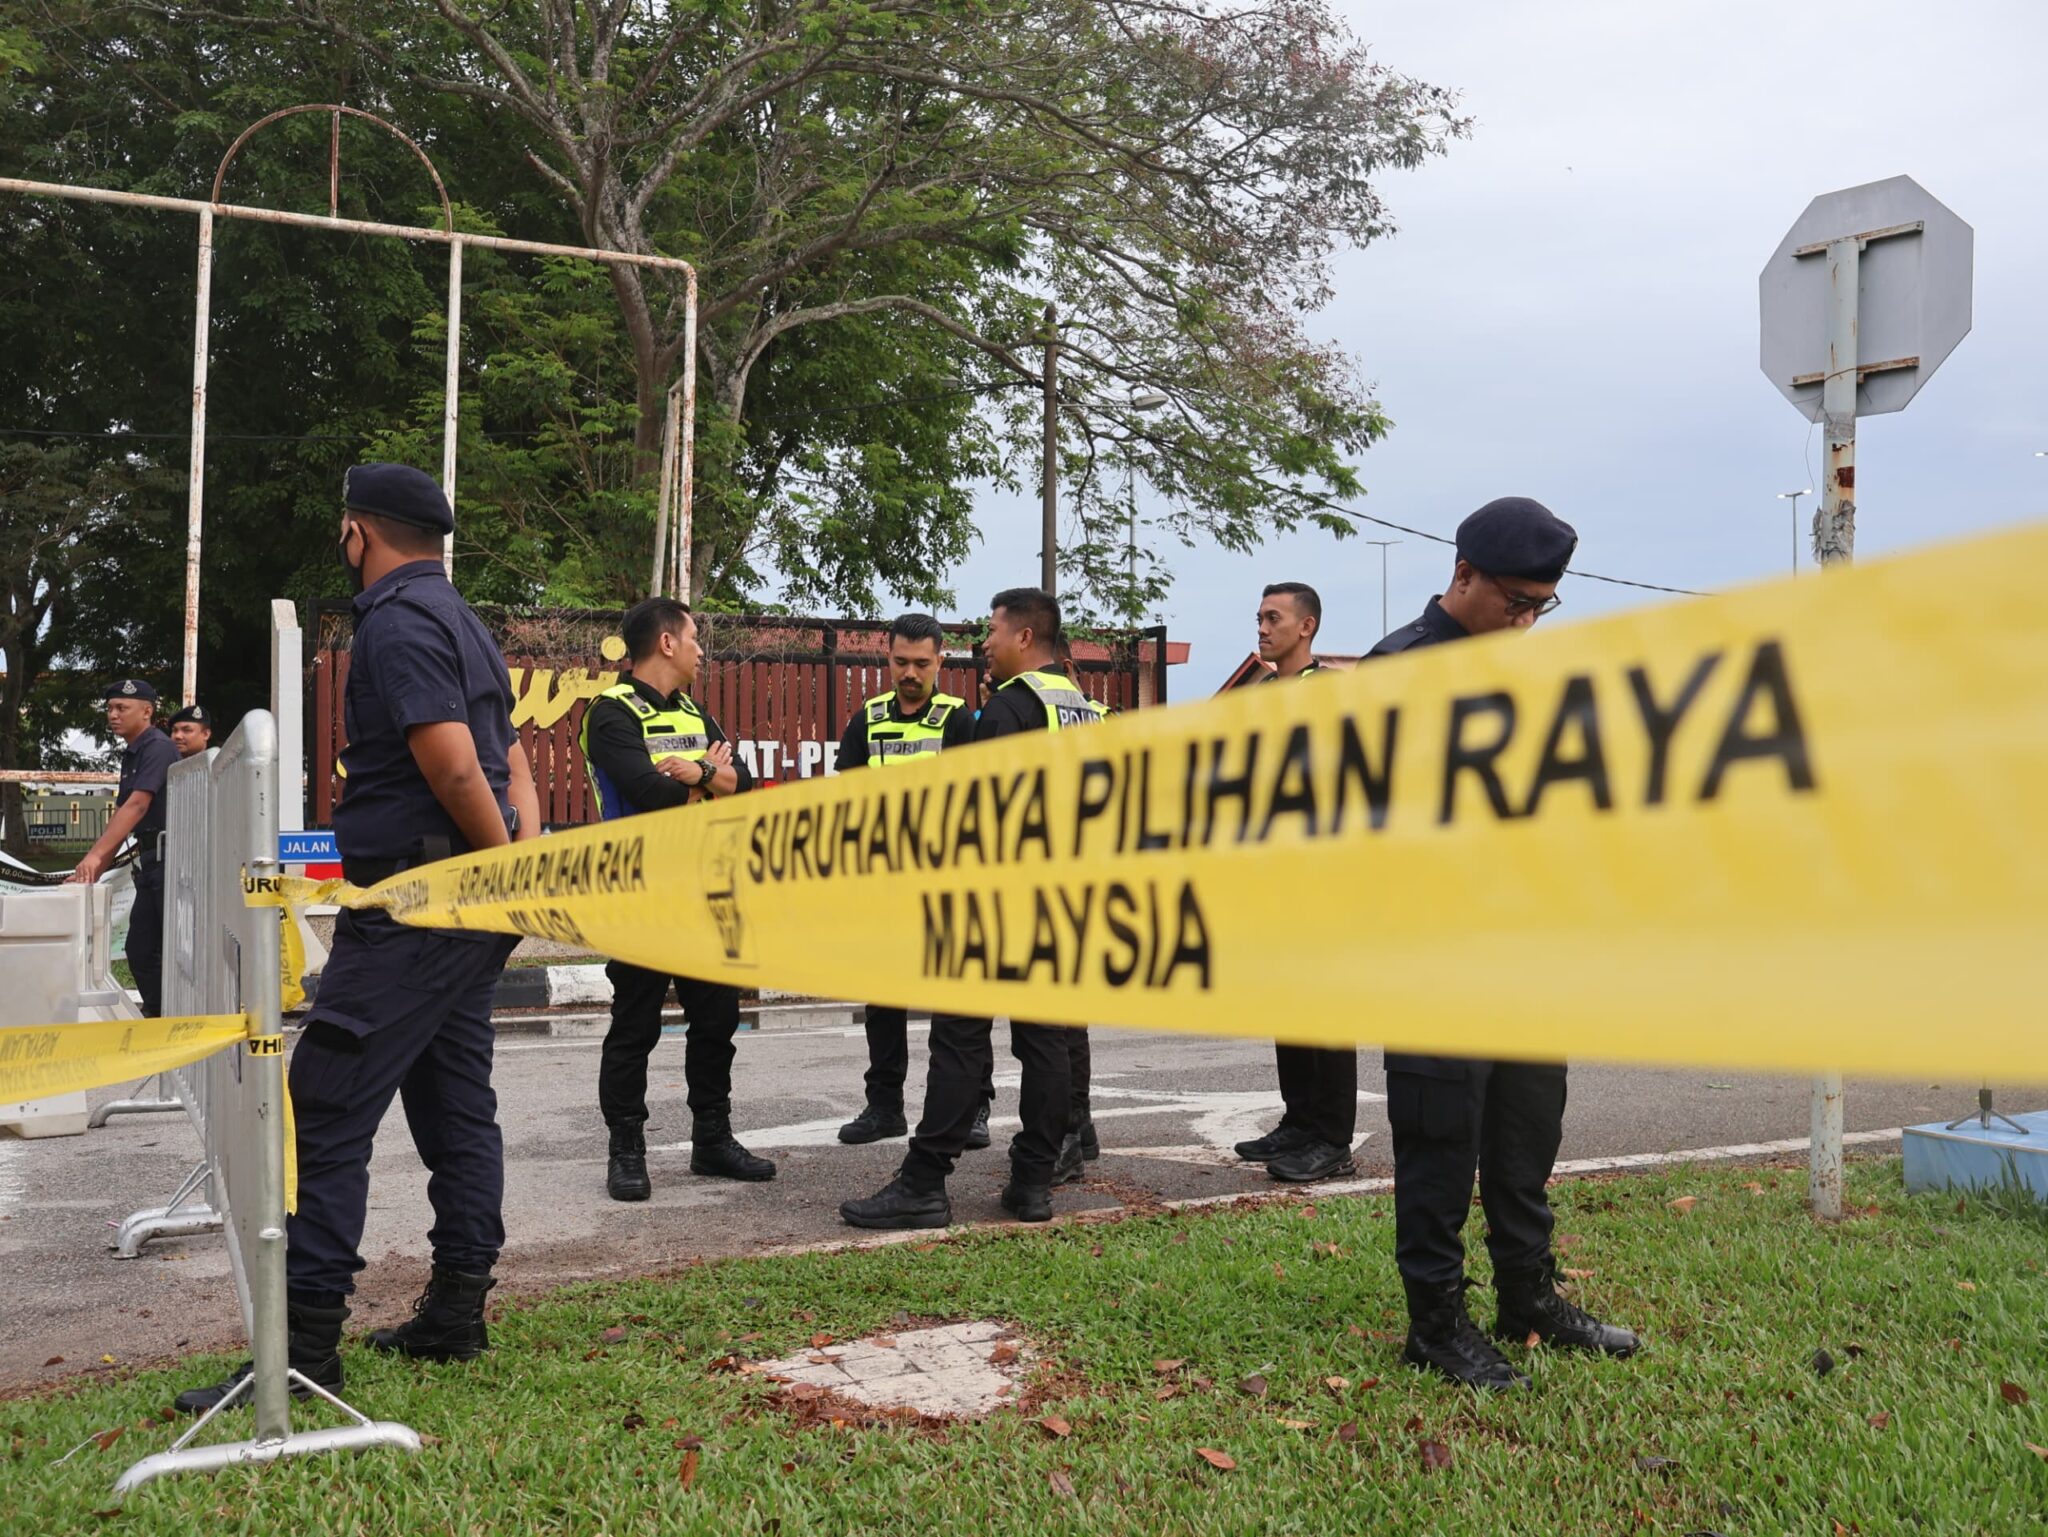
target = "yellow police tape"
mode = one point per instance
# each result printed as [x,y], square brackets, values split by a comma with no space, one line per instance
[43,1061]
[1791,827]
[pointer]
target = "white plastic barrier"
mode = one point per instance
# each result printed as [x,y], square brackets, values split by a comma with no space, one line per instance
[55,944]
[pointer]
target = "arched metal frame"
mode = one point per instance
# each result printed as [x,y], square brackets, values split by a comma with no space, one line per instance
[679,428]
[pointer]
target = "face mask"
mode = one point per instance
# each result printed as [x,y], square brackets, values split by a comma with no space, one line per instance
[353,568]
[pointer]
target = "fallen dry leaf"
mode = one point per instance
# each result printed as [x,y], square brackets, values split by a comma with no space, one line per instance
[1880,1421]
[613,1335]
[106,1360]
[1435,1455]
[723,1364]
[1336,1384]
[821,1358]
[1003,1354]
[1348,1432]
[107,1438]
[1754,1188]
[1222,1461]
[687,1473]
[1167,1368]
[1279,1271]
[1578,1275]
[1966,1286]
[820,1340]
[885,1341]
[2012,1392]
[1053,1425]
[1254,1385]
[1354,1329]
[1566,1242]
[1683,1204]
[2038,1451]
[54,1361]
[1309,1210]
[1061,1484]
[1202,1383]
[1299,1424]
[806,1391]
[1368,1384]
[1165,1393]
[633,1422]
[1823,1363]
[1532,1341]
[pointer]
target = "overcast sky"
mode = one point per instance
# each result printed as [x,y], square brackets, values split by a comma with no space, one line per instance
[1569,308]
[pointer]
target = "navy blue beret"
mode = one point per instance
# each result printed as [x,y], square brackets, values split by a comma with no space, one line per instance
[131,688]
[398,492]
[198,714]
[1519,537]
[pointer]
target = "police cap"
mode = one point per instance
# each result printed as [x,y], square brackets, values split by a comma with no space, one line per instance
[398,492]
[1519,537]
[131,688]
[198,714]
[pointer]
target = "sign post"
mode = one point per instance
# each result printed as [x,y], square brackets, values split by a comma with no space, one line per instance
[1893,284]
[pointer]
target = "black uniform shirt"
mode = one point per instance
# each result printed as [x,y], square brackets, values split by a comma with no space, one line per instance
[853,746]
[419,657]
[144,763]
[618,749]
[1432,629]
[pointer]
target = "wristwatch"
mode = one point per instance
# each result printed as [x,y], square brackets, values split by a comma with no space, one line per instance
[704,772]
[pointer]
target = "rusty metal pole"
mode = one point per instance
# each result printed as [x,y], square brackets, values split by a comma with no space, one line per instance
[195,495]
[657,581]
[1834,544]
[451,397]
[1049,469]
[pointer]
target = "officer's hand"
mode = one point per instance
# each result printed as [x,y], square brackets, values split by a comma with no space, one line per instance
[719,755]
[87,872]
[675,768]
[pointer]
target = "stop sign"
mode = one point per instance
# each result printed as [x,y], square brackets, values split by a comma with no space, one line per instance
[1913,298]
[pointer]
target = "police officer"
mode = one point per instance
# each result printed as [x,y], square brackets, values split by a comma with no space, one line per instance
[1318,1084]
[907,725]
[648,747]
[433,769]
[192,730]
[140,806]
[1029,695]
[1453,1116]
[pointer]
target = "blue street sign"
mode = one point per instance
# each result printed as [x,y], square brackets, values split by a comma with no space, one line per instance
[314,848]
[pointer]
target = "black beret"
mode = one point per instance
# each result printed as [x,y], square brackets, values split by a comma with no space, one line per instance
[1519,537]
[131,688]
[198,714]
[398,492]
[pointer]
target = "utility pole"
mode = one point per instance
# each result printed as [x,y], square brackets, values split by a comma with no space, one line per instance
[1049,470]
[1793,498]
[1383,543]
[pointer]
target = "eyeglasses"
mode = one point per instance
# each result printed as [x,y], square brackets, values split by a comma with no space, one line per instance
[1522,603]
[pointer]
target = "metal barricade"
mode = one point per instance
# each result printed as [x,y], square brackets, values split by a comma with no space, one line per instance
[234,961]
[188,918]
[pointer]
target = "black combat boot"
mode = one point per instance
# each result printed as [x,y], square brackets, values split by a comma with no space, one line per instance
[1530,1304]
[897,1205]
[447,1322]
[715,1151]
[1312,1160]
[1068,1167]
[1027,1203]
[977,1134]
[1281,1139]
[1091,1145]
[1442,1338]
[313,1349]
[877,1123]
[625,1175]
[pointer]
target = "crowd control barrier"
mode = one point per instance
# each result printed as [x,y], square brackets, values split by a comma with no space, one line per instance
[54,953]
[223,959]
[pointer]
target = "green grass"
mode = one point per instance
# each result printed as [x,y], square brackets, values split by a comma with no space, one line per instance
[1722,1425]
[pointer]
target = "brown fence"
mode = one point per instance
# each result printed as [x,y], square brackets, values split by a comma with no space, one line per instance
[783,689]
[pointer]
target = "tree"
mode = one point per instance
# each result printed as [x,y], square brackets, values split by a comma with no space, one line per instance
[1173,176]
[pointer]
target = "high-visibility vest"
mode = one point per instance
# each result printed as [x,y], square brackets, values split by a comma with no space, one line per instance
[1064,704]
[677,732]
[893,740]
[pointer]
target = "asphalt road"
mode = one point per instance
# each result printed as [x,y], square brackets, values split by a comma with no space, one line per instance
[1168,1108]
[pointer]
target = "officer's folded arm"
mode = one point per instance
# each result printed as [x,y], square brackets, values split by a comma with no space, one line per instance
[521,793]
[446,754]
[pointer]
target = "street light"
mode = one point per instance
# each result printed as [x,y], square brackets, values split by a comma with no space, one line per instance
[1793,497]
[1383,543]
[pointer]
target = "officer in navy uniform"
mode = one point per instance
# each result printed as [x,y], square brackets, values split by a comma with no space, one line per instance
[191,730]
[1030,695]
[140,806]
[1318,1084]
[649,747]
[908,725]
[433,769]
[1453,1116]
